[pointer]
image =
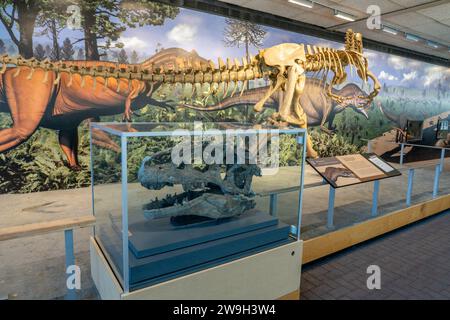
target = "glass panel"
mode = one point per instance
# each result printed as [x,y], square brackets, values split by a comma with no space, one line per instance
[278,190]
[192,193]
[107,197]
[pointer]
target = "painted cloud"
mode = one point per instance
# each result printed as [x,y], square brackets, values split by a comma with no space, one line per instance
[386,76]
[183,33]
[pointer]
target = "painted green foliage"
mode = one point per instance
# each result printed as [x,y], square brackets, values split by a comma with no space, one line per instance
[39,165]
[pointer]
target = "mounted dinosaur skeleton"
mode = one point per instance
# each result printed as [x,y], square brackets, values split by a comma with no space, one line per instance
[317,105]
[285,65]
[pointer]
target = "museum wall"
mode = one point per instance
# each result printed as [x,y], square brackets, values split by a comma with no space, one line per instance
[411,90]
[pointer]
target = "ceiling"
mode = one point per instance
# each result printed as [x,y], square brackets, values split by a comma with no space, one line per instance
[426,19]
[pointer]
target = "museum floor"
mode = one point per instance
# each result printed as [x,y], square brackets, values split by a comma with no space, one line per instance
[33,267]
[414,263]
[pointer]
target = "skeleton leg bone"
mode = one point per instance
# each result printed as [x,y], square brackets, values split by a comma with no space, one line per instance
[273,87]
[294,88]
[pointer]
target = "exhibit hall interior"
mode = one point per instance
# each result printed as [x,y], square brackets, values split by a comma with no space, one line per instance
[228,150]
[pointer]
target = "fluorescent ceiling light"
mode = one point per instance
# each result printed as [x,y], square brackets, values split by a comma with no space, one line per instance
[432,44]
[343,15]
[303,3]
[389,30]
[411,37]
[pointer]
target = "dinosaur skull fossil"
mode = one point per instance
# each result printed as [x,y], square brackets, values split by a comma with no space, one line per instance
[205,192]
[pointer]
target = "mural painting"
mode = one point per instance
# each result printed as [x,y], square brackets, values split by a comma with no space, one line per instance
[44,141]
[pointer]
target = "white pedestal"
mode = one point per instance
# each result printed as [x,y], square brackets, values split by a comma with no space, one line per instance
[267,275]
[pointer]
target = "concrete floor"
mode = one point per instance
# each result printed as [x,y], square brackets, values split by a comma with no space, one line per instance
[33,268]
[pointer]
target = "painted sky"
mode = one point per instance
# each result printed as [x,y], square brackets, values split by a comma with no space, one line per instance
[192,30]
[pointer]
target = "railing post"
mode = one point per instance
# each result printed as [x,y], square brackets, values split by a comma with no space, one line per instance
[437,174]
[410,186]
[376,190]
[330,214]
[442,159]
[369,146]
[402,147]
[70,260]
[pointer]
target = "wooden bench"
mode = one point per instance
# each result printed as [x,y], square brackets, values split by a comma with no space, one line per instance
[67,225]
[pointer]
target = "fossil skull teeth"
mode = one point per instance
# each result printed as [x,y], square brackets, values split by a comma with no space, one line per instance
[205,192]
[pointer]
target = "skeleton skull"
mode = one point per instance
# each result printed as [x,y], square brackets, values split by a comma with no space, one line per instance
[205,192]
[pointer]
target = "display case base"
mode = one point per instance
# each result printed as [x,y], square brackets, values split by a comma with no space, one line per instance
[271,274]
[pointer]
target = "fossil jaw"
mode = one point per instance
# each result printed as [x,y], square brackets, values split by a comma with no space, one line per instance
[206,193]
[199,203]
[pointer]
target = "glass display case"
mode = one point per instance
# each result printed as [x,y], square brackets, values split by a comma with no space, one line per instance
[175,198]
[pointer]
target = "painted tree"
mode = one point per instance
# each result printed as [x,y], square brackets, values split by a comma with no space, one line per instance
[48,50]
[243,33]
[21,16]
[350,127]
[158,47]
[80,54]
[51,20]
[67,50]
[100,19]
[439,89]
[2,47]
[134,57]
[122,56]
[39,52]
[107,19]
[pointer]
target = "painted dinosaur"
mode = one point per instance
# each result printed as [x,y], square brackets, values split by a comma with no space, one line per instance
[318,106]
[400,121]
[54,95]
[334,173]
[90,86]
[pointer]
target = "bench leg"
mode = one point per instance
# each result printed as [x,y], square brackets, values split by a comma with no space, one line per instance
[70,260]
